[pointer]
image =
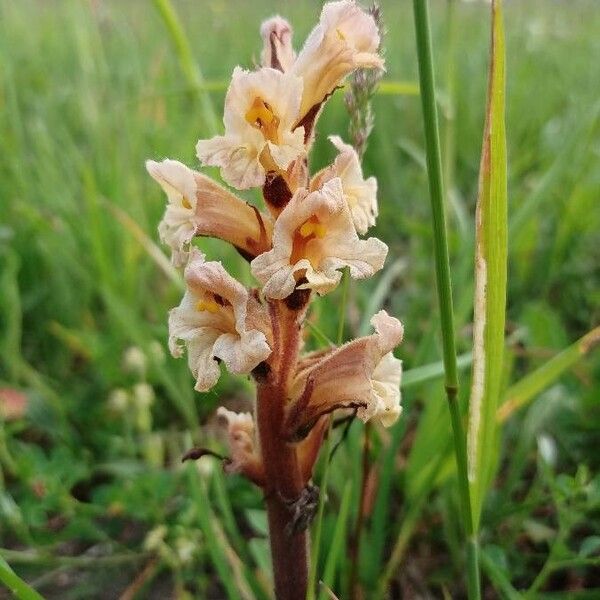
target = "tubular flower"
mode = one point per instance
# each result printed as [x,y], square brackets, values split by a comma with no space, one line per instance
[217,320]
[278,52]
[199,206]
[360,193]
[242,445]
[313,238]
[363,375]
[261,108]
[345,39]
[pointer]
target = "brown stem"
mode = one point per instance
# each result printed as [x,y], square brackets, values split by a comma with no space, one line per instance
[283,475]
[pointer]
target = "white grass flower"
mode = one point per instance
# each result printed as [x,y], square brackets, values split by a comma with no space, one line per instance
[313,238]
[261,109]
[214,321]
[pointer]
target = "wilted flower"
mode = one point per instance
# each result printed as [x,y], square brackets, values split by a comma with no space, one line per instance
[363,375]
[345,39]
[278,52]
[243,452]
[360,193]
[313,239]
[216,319]
[199,207]
[261,108]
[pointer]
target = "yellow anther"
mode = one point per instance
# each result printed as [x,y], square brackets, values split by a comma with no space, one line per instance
[340,34]
[186,203]
[312,228]
[209,305]
[261,116]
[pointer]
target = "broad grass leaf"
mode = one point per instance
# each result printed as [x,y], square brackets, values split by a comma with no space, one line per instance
[490,278]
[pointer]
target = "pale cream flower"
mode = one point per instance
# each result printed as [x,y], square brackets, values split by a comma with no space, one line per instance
[215,320]
[363,375]
[278,52]
[261,108]
[313,239]
[360,193]
[197,206]
[345,39]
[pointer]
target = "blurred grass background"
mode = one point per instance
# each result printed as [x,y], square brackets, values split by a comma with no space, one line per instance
[93,503]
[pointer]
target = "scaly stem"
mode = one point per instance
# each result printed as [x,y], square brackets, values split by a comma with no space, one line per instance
[289,550]
[314,559]
[444,288]
[360,518]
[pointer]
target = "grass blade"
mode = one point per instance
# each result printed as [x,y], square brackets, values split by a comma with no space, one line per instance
[15,584]
[189,66]
[490,278]
[532,384]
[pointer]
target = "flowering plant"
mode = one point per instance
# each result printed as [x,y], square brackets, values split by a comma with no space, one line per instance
[297,247]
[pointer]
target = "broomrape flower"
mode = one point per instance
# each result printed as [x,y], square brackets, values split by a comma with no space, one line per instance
[363,375]
[313,238]
[197,206]
[244,457]
[359,193]
[345,39]
[278,52]
[261,108]
[217,320]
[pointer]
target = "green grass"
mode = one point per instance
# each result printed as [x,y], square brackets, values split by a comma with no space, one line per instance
[91,498]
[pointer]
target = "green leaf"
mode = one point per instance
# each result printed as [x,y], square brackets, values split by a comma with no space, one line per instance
[525,390]
[15,584]
[490,278]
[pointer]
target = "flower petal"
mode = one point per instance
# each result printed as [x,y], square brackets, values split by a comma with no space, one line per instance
[360,193]
[242,445]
